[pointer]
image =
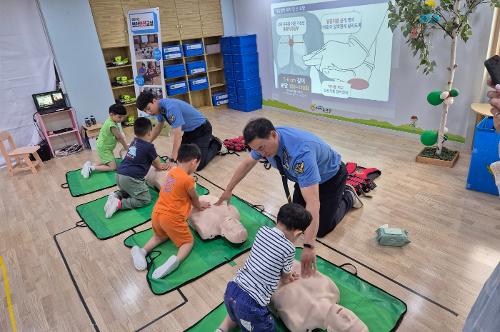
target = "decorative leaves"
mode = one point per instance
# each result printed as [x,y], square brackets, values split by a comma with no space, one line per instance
[419,19]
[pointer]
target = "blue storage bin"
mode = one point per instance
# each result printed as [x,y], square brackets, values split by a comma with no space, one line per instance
[246,84]
[247,92]
[172,49]
[249,106]
[225,44]
[246,74]
[232,97]
[198,83]
[227,58]
[233,104]
[193,49]
[172,71]
[239,49]
[219,95]
[229,75]
[244,40]
[230,83]
[221,102]
[231,89]
[250,99]
[245,58]
[484,152]
[176,88]
[171,56]
[196,67]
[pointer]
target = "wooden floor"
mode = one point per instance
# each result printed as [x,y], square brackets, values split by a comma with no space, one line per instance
[455,237]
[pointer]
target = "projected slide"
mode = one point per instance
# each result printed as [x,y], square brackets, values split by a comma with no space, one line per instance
[337,48]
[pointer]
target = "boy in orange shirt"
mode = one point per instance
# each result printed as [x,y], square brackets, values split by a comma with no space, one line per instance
[171,211]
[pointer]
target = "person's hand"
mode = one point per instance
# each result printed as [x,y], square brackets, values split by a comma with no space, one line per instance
[203,206]
[307,262]
[290,277]
[226,196]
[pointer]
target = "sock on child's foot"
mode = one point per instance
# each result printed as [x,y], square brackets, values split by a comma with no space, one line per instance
[86,169]
[92,167]
[112,205]
[139,258]
[169,266]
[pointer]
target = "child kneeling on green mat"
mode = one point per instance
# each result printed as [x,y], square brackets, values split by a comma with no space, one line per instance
[130,175]
[171,211]
[109,135]
[270,260]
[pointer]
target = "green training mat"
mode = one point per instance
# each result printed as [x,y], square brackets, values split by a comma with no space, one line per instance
[92,214]
[206,254]
[78,186]
[379,310]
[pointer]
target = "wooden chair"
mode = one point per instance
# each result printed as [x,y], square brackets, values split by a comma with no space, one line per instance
[20,155]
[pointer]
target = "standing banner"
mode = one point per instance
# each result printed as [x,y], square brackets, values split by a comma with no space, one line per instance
[145,50]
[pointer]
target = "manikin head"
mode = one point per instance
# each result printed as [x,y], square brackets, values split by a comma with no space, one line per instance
[147,102]
[143,129]
[293,219]
[262,137]
[117,113]
[189,157]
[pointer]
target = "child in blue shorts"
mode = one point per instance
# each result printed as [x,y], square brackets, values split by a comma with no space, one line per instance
[270,260]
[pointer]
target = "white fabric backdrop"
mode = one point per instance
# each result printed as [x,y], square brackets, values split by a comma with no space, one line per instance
[26,67]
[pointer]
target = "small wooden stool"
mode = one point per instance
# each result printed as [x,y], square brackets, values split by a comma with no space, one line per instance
[21,155]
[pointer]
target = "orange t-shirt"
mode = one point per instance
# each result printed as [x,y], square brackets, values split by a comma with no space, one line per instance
[174,194]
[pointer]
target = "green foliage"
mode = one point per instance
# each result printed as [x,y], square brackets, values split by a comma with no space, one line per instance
[413,18]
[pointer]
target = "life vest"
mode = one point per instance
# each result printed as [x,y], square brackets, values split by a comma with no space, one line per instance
[236,144]
[361,178]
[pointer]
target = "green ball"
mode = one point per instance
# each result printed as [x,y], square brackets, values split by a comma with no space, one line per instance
[434,98]
[454,92]
[429,137]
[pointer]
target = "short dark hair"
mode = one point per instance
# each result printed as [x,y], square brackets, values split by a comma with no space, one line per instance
[294,217]
[188,152]
[118,109]
[142,126]
[257,128]
[145,97]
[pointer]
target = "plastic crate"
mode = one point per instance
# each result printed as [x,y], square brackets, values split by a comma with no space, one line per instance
[230,83]
[227,58]
[225,44]
[248,92]
[239,49]
[172,71]
[198,83]
[171,56]
[176,88]
[229,75]
[249,106]
[245,58]
[221,102]
[196,67]
[172,49]
[484,152]
[193,49]
[219,95]
[244,40]
[246,84]
[250,98]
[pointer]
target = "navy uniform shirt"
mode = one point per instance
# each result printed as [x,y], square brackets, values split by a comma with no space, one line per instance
[178,113]
[305,157]
[136,163]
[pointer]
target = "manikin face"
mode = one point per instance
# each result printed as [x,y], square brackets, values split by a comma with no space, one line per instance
[266,147]
[153,108]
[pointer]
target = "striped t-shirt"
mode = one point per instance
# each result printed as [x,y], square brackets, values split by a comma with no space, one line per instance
[272,254]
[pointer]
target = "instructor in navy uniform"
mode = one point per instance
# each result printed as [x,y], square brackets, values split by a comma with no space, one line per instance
[188,125]
[317,170]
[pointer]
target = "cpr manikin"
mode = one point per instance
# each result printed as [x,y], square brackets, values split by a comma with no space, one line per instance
[311,303]
[223,220]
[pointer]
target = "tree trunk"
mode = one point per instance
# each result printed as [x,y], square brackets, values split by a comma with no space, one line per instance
[451,76]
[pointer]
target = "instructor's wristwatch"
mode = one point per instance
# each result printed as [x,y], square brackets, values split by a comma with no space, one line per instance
[307,245]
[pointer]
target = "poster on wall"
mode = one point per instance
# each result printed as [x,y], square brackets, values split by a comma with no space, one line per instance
[145,51]
[340,49]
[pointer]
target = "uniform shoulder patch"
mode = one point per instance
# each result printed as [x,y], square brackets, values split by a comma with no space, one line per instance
[299,167]
[171,119]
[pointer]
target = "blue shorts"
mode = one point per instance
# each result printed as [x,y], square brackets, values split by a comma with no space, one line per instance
[245,311]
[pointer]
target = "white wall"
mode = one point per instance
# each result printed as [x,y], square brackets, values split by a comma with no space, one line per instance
[227,10]
[73,36]
[409,88]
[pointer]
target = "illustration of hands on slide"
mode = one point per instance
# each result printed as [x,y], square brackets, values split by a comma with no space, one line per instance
[334,48]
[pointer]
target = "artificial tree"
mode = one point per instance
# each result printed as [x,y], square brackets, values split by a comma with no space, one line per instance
[419,20]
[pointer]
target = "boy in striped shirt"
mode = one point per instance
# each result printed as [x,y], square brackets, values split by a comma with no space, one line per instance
[270,260]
